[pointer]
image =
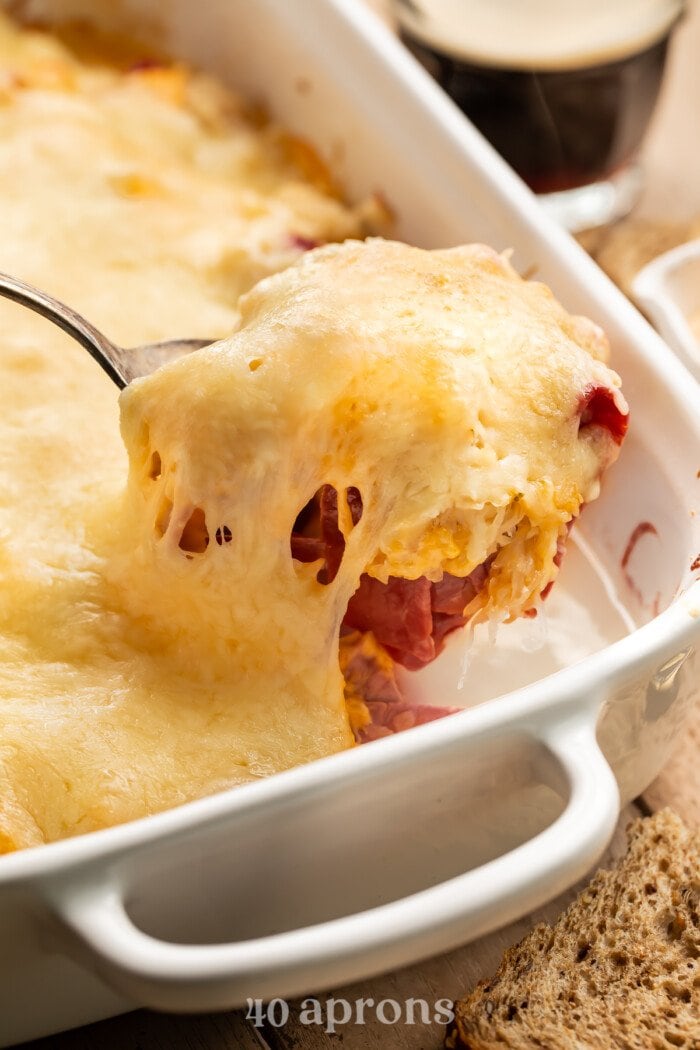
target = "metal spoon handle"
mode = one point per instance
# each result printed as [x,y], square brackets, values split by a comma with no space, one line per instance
[107,355]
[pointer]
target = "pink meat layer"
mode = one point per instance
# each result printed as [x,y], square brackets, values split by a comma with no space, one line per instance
[410,618]
[371,676]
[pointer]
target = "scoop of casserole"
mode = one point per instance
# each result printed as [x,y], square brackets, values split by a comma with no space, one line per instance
[394,440]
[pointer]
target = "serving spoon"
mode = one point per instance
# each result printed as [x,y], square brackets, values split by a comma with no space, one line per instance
[121,364]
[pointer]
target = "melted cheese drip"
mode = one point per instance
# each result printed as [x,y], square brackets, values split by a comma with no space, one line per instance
[146,199]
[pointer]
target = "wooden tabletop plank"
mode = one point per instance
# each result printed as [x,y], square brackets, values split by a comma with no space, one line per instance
[678,786]
[143,1030]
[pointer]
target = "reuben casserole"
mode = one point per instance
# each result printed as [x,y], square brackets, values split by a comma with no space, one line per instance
[385,445]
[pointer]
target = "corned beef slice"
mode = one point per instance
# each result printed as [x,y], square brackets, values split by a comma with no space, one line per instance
[411,618]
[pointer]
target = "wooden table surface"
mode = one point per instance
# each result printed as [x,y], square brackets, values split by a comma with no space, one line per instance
[672,159]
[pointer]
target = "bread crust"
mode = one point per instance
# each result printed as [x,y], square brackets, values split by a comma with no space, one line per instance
[619,969]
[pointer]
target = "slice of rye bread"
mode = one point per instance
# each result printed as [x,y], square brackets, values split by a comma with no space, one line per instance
[620,967]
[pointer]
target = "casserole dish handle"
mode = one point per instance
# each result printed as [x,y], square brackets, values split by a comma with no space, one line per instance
[192,977]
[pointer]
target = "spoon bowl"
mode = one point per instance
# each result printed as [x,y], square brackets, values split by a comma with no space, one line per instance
[121,364]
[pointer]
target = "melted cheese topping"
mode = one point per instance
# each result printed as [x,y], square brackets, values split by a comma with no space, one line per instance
[147,199]
[160,646]
[439,384]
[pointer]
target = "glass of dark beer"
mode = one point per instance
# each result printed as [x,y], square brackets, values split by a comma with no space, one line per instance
[564,89]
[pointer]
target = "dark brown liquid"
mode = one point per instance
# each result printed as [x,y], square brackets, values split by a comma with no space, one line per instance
[557,129]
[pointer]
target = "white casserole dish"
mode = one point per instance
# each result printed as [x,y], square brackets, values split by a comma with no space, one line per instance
[406,847]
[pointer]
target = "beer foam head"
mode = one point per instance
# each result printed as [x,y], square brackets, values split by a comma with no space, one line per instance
[540,34]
